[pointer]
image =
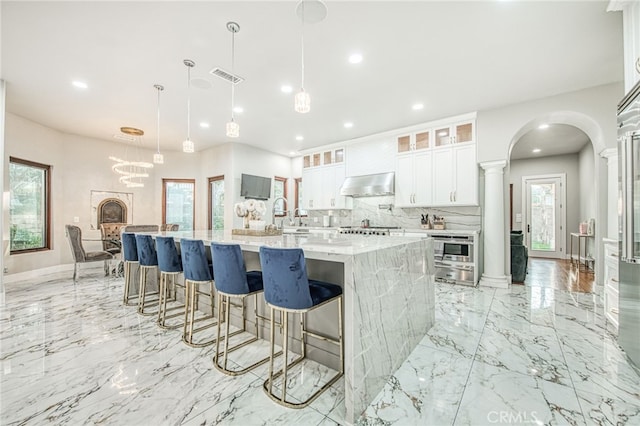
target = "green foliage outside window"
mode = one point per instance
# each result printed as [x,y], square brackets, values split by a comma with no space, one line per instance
[27,205]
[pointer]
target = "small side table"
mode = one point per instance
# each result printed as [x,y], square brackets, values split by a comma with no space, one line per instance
[579,237]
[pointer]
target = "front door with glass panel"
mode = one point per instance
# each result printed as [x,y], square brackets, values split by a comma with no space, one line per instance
[544,215]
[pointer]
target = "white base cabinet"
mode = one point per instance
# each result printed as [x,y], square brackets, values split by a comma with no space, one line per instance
[611,280]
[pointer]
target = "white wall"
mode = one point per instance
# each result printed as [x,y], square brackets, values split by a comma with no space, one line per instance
[80,165]
[591,110]
[254,161]
[548,165]
[586,164]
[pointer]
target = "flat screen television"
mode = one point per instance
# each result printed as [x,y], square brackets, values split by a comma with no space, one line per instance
[256,187]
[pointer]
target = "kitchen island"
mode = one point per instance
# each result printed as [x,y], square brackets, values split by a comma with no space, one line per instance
[388,285]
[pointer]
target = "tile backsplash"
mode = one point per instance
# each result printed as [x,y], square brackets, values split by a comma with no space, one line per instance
[381,212]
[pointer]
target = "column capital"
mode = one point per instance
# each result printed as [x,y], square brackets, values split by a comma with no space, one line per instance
[609,152]
[496,165]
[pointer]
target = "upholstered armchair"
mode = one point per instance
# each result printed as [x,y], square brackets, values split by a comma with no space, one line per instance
[519,257]
[111,241]
[80,255]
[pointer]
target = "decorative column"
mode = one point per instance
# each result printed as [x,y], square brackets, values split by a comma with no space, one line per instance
[494,225]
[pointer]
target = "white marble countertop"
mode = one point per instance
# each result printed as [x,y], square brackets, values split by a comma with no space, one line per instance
[313,243]
[438,231]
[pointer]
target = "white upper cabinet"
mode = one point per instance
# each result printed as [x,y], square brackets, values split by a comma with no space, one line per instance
[414,183]
[323,174]
[455,173]
[437,166]
[455,133]
[414,141]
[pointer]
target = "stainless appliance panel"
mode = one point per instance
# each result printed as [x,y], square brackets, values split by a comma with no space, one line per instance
[629,186]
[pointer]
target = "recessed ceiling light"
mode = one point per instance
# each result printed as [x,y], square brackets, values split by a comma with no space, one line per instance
[299,138]
[536,150]
[238,109]
[286,89]
[204,125]
[355,58]
[348,124]
[417,107]
[80,84]
[543,126]
[292,153]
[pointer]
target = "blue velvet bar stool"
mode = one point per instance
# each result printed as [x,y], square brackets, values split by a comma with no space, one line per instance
[287,289]
[234,282]
[170,265]
[148,258]
[197,272]
[130,258]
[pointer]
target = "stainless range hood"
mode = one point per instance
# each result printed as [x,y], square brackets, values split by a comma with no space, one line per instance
[369,185]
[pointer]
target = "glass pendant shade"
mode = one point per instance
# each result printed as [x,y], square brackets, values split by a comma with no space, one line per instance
[157,157]
[188,146]
[233,129]
[302,102]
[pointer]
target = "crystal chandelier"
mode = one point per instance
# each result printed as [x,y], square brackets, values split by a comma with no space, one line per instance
[157,157]
[131,171]
[187,145]
[233,129]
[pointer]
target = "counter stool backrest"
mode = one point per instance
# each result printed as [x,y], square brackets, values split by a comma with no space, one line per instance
[129,247]
[194,260]
[231,274]
[146,250]
[284,273]
[168,257]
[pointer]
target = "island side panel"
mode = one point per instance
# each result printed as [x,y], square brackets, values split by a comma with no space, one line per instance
[389,307]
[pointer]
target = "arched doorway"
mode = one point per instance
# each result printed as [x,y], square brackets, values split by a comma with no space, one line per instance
[574,154]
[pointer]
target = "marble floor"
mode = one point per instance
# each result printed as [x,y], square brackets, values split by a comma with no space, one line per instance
[71,354]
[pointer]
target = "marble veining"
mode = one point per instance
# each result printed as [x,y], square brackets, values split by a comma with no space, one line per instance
[71,354]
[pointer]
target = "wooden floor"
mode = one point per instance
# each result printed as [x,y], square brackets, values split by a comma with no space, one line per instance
[559,274]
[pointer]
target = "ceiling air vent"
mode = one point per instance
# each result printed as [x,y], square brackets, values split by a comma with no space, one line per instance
[226,75]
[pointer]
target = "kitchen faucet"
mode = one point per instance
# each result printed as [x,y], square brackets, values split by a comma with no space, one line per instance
[297,210]
[273,211]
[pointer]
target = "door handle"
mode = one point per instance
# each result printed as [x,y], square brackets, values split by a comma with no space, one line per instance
[528,228]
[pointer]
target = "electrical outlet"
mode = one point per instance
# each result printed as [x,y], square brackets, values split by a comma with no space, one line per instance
[76,219]
[315,220]
[6,270]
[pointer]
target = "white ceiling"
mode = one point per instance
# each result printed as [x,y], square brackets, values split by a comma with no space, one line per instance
[454,57]
[557,139]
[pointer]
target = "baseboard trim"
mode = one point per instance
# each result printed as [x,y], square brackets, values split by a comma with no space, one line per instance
[35,273]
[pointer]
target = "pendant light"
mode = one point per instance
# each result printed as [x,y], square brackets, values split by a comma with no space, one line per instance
[157,157]
[233,129]
[131,169]
[187,145]
[302,99]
